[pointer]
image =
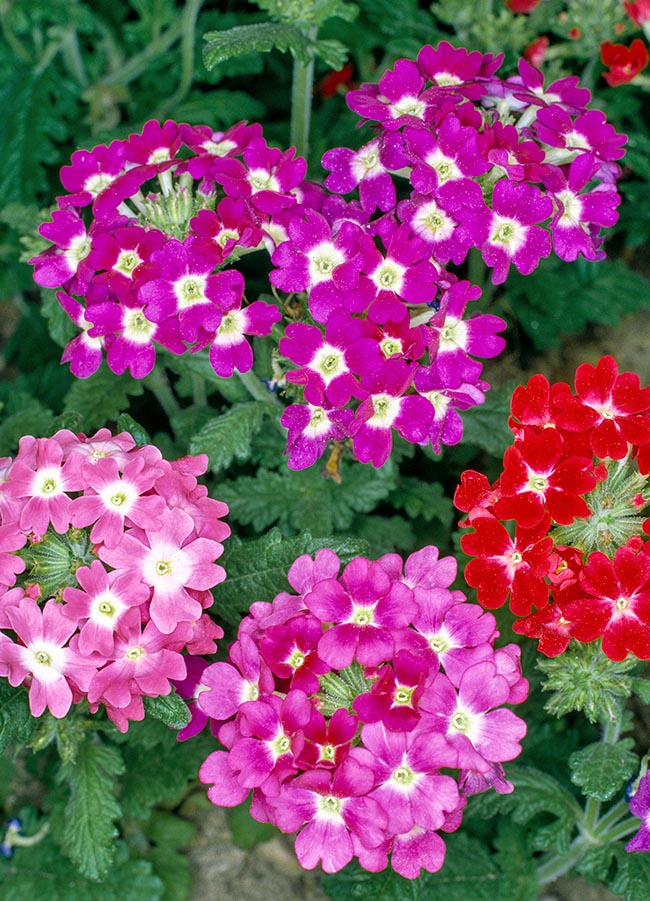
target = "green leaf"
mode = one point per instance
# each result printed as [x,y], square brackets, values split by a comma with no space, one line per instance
[486,426]
[257,569]
[89,833]
[560,299]
[261,37]
[304,500]
[641,687]
[602,769]
[385,534]
[597,863]
[169,709]
[425,499]
[26,102]
[228,437]
[16,720]
[42,873]
[126,423]
[170,835]
[633,876]
[158,770]
[102,397]
[61,328]
[24,415]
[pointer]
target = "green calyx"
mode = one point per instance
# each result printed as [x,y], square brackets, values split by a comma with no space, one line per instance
[617,504]
[340,689]
[52,562]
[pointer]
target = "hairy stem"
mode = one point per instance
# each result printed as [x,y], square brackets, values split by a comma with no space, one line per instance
[301,94]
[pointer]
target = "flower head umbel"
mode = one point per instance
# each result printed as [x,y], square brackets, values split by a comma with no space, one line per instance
[339,707]
[106,563]
[575,484]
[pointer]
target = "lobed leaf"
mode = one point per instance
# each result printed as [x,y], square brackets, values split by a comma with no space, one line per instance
[228,437]
[602,769]
[89,832]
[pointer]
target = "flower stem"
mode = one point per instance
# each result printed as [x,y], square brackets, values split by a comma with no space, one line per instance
[301,92]
[158,383]
[189,17]
[256,388]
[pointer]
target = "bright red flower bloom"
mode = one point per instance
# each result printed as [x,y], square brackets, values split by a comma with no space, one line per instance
[475,491]
[550,626]
[624,63]
[616,604]
[639,12]
[503,566]
[522,6]
[536,51]
[613,406]
[538,478]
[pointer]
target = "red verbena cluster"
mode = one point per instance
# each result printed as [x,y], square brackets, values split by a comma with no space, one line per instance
[576,562]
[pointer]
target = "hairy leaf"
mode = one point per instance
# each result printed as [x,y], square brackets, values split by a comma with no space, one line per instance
[257,569]
[304,500]
[633,876]
[261,37]
[90,814]
[486,426]
[228,437]
[602,769]
[23,415]
[169,709]
[425,499]
[16,720]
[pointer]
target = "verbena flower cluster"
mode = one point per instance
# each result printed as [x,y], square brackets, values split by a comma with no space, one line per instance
[142,238]
[339,706]
[106,563]
[574,486]
[459,160]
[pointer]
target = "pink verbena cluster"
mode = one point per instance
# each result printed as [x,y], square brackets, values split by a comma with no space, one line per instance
[340,705]
[143,237]
[506,167]
[106,563]
[575,561]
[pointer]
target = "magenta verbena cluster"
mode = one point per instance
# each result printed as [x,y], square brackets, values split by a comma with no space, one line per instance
[340,705]
[106,563]
[381,339]
[140,241]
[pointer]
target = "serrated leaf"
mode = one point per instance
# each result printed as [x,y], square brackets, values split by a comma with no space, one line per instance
[228,437]
[486,426]
[261,37]
[102,397]
[633,877]
[560,299]
[25,100]
[42,873]
[425,499]
[257,569]
[602,769]
[169,709]
[305,501]
[61,328]
[596,863]
[126,423]
[332,52]
[385,534]
[16,720]
[89,832]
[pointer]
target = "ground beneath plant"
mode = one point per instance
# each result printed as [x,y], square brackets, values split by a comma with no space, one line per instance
[270,872]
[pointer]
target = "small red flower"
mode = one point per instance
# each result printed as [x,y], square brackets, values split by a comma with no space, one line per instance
[616,604]
[625,63]
[335,82]
[614,407]
[538,478]
[575,34]
[536,51]
[503,566]
[522,6]
[548,625]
